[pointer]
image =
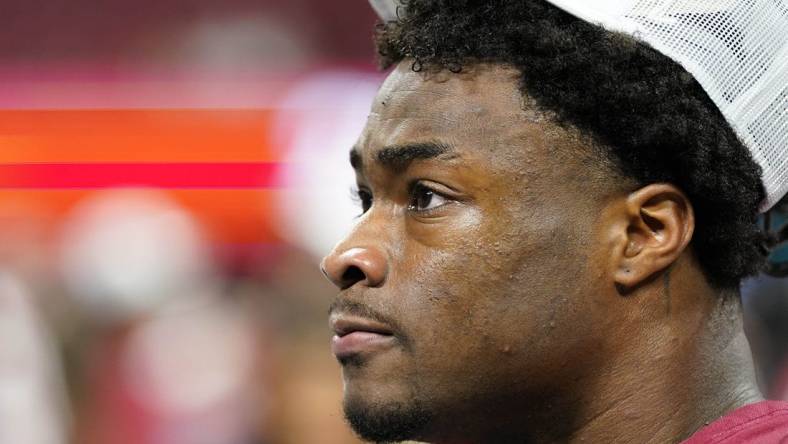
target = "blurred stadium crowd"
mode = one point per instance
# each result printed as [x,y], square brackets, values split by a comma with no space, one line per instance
[170,173]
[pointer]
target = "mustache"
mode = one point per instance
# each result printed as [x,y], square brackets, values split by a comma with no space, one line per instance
[354,308]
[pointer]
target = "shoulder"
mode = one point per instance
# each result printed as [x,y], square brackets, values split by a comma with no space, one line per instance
[762,422]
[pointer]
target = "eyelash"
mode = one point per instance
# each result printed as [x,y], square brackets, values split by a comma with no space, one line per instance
[417,187]
[364,199]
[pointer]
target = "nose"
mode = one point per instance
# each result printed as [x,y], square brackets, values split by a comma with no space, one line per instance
[347,268]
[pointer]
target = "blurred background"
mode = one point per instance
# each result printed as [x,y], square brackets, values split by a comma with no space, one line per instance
[171,173]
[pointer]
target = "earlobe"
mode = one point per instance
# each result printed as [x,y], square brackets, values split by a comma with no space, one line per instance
[660,223]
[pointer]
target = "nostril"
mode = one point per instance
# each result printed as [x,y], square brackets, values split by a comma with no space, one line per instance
[352,275]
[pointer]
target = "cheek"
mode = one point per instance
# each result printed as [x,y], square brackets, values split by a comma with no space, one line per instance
[493,301]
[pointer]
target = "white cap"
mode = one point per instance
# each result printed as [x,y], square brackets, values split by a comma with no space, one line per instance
[736,49]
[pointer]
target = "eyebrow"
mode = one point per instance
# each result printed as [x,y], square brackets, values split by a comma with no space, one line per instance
[398,157]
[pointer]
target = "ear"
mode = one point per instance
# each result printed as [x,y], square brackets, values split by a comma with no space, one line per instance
[659,226]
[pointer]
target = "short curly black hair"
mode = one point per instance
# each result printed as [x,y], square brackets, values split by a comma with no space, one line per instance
[655,120]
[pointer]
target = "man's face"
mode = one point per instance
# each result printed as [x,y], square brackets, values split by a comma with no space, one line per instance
[467,285]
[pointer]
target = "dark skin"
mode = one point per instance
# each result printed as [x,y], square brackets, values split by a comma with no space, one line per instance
[535,294]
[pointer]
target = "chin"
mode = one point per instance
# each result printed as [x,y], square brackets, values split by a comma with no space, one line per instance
[379,419]
[382,399]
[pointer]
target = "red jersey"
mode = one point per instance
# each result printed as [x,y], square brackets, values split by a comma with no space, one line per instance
[764,422]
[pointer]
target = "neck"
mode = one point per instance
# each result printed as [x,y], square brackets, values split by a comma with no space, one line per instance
[676,387]
[687,364]
[678,371]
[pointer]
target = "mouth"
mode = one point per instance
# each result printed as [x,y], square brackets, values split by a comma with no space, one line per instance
[355,335]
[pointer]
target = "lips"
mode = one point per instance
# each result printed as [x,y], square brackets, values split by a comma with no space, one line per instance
[355,335]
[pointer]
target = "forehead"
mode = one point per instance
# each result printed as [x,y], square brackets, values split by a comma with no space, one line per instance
[478,111]
[478,89]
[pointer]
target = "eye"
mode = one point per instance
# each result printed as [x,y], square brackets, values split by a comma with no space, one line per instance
[424,199]
[363,198]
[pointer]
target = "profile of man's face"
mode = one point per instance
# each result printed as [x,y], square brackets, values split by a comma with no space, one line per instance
[468,279]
